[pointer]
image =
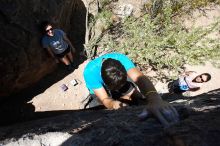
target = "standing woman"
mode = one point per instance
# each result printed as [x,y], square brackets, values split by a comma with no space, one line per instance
[58,45]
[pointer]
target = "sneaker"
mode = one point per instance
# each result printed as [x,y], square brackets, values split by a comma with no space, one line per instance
[69,68]
[74,65]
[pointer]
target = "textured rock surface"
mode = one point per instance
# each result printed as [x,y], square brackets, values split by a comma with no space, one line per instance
[199,127]
[22,60]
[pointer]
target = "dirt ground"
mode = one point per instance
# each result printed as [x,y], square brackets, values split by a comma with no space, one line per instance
[53,98]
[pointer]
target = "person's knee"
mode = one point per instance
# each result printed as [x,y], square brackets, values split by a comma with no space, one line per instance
[70,54]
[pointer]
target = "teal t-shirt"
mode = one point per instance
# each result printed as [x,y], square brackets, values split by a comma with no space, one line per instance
[92,71]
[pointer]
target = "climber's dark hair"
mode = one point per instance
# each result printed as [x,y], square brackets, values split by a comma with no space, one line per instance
[113,73]
[208,76]
[44,24]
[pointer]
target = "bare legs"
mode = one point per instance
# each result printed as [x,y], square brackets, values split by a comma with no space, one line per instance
[67,59]
[70,56]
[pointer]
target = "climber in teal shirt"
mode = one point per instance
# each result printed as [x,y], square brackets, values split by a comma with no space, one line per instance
[92,72]
[116,82]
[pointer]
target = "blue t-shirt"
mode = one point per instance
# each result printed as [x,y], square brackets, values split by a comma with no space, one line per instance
[56,42]
[92,71]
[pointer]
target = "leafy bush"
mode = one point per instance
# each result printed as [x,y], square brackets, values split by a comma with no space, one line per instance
[162,42]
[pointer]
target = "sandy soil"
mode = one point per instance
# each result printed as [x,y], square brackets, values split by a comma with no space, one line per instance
[54,98]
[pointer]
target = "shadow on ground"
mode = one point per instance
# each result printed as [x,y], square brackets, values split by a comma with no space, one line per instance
[15,109]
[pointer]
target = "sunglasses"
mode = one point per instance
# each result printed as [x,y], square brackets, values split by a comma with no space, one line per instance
[49,30]
[202,79]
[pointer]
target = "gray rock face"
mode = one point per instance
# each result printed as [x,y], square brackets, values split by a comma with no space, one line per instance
[199,126]
[22,59]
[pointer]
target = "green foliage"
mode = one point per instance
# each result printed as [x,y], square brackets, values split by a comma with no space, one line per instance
[162,42]
[198,3]
[104,3]
[105,17]
[187,6]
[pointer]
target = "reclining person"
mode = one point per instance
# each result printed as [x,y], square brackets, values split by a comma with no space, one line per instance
[190,81]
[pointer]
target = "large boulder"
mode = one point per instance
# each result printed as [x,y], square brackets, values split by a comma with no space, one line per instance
[199,126]
[22,59]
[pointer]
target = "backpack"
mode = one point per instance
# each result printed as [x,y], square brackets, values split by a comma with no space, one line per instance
[183,86]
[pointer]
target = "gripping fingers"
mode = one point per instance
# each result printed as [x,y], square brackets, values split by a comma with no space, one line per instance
[175,113]
[161,119]
[170,114]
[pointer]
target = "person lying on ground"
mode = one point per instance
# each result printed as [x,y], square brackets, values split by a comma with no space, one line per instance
[116,82]
[190,81]
[58,45]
